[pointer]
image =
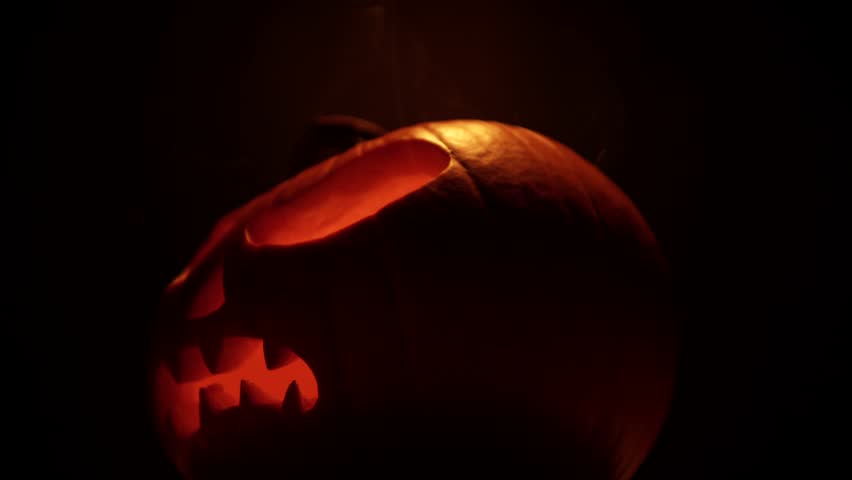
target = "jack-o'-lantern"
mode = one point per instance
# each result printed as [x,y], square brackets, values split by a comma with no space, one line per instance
[452,297]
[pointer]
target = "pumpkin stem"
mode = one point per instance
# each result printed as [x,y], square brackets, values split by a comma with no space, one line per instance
[330,135]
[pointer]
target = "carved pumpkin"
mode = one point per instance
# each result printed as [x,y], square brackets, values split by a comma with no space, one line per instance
[449,295]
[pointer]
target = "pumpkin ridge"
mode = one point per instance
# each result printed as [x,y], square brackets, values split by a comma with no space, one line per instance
[581,182]
[473,180]
[569,167]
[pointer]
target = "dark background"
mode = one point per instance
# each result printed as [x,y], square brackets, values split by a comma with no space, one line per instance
[141,124]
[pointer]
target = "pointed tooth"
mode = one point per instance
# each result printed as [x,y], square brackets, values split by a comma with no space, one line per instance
[172,362]
[185,363]
[212,347]
[292,404]
[277,355]
[251,394]
[191,365]
[212,400]
[165,386]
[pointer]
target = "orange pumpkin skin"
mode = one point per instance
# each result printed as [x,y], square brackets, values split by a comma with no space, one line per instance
[459,292]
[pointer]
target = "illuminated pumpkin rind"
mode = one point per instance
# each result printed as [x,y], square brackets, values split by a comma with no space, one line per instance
[460,270]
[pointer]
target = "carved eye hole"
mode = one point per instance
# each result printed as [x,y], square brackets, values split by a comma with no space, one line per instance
[350,193]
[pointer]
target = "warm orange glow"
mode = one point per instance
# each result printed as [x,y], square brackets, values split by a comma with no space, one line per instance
[463,289]
[350,193]
[210,296]
[180,403]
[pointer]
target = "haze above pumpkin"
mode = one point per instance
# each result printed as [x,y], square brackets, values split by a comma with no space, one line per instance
[454,270]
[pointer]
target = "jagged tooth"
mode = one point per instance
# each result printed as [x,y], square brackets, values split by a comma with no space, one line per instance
[292,404]
[171,359]
[212,400]
[251,394]
[165,386]
[276,354]
[212,347]
[190,365]
[171,343]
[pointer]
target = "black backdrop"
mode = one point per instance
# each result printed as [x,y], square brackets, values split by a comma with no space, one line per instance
[144,123]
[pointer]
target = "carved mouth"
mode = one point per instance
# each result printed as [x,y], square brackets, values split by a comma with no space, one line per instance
[194,398]
[223,373]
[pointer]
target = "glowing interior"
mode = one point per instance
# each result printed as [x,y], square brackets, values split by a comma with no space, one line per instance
[179,402]
[350,193]
[210,296]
